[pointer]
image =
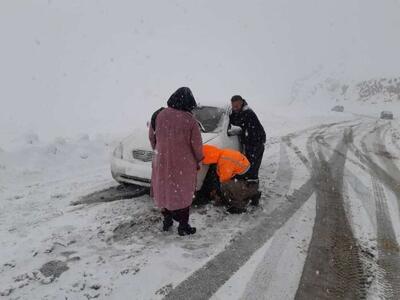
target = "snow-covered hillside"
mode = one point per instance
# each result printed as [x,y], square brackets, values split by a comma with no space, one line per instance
[320,88]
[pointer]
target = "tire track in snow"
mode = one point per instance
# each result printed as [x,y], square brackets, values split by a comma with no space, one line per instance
[395,139]
[375,168]
[206,281]
[203,283]
[257,286]
[287,139]
[358,186]
[364,193]
[388,248]
[382,152]
[278,272]
[333,267]
[318,130]
[321,140]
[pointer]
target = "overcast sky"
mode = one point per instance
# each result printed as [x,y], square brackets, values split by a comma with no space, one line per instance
[96,66]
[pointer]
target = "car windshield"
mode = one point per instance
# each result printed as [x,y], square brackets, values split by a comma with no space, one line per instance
[209,118]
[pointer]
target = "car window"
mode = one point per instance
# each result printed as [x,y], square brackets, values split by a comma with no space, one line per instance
[209,117]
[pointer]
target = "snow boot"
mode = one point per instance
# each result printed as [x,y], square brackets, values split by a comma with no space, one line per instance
[235,210]
[167,223]
[255,200]
[186,229]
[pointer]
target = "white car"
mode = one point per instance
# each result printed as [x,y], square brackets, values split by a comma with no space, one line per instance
[131,161]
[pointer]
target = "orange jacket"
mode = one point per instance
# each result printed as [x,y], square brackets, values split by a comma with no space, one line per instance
[229,162]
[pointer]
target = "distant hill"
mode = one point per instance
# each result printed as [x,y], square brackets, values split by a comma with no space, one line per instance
[383,89]
[377,90]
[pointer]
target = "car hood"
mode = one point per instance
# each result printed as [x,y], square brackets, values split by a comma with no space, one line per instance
[207,137]
[142,142]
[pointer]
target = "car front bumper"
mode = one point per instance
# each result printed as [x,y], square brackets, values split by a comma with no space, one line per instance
[139,173]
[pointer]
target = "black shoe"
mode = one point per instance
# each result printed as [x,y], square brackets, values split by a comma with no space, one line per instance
[167,223]
[200,200]
[235,210]
[256,199]
[186,229]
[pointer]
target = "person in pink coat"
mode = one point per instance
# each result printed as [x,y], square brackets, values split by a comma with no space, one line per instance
[176,140]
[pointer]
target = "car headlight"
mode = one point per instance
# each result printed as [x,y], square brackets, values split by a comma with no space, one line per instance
[119,151]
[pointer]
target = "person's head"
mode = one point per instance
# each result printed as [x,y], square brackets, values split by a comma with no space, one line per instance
[182,99]
[237,103]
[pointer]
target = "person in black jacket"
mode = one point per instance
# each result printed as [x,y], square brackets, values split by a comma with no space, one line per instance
[253,136]
[153,121]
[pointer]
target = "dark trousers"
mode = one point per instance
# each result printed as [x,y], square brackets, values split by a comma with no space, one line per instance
[254,154]
[179,215]
[210,185]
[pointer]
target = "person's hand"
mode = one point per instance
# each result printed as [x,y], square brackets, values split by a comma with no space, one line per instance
[198,166]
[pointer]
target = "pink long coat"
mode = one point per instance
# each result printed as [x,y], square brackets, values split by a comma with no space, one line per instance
[179,149]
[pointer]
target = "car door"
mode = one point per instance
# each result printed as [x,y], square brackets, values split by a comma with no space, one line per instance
[229,142]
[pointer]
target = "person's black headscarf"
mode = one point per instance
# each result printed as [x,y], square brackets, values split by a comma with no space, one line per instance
[182,99]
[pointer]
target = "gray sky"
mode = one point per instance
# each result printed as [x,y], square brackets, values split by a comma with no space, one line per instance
[94,66]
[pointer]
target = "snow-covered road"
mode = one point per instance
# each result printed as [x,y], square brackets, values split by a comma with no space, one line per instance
[328,225]
[343,220]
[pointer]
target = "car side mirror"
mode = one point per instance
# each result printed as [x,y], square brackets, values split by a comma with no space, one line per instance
[234,131]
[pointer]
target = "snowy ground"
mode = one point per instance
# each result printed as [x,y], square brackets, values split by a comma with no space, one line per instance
[330,180]
[51,249]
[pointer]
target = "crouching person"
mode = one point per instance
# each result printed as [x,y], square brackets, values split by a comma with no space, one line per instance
[239,193]
[236,193]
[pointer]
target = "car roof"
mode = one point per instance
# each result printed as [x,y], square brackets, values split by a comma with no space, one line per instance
[225,108]
[209,105]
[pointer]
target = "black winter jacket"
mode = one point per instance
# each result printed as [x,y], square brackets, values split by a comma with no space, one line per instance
[253,133]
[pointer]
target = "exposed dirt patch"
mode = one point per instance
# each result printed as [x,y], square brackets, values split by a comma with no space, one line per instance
[385,154]
[114,193]
[54,268]
[165,290]
[147,222]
